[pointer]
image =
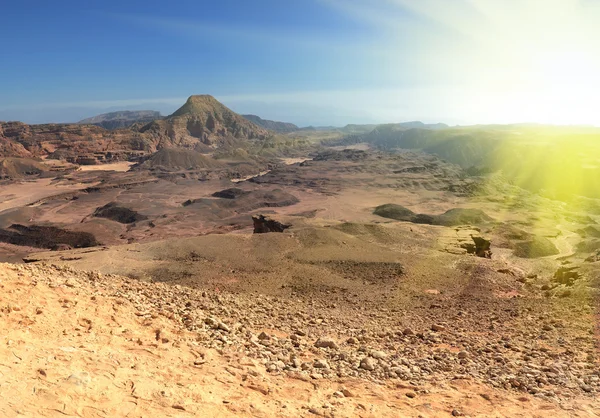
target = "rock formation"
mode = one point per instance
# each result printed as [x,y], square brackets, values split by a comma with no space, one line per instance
[481,247]
[118,213]
[202,123]
[70,142]
[46,237]
[263,225]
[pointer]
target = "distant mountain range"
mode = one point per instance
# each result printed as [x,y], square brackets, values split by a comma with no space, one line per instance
[121,119]
[280,127]
[205,125]
[202,124]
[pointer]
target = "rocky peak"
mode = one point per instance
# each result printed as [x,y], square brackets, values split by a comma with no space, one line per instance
[203,122]
[201,104]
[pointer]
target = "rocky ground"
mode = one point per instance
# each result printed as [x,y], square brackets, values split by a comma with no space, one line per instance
[372,303]
[87,344]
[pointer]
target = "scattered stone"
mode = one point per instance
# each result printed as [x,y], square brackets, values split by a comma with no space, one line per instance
[547,327]
[379,355]
[259,388]
[263,336]
[320,364]
[224,327]
[348,393]
[438,328]
[325,342]
[368,363]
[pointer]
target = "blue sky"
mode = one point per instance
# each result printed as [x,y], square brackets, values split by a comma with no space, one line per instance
[318,62]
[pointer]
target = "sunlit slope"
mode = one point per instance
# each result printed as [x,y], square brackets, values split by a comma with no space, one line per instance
[560,162]
[558,166]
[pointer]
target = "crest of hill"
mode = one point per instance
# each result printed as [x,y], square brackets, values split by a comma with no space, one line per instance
[121,119]
[280,127]
[200,123]
[174,159]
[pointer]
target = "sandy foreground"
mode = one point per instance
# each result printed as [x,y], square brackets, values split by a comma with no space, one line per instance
[80,344]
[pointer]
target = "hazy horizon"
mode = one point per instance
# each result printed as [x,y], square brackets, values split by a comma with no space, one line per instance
[315,62]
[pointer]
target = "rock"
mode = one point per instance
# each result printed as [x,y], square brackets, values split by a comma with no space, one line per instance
[259,388]
[462,354]
[411,395]
[547,327]
[264,225]
[224,327]
[408,331]
[379,355]
[566,275]
[338,394]
[438,328]
[81,379]
[320,364]
[457,413]
[325,342]
[368,363]
[348,393]
[263,336]
[480,247]
[594,257]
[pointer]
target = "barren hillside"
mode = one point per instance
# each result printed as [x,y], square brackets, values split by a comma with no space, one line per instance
[85,344]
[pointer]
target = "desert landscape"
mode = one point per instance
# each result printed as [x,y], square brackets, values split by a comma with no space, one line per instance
[209,264]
